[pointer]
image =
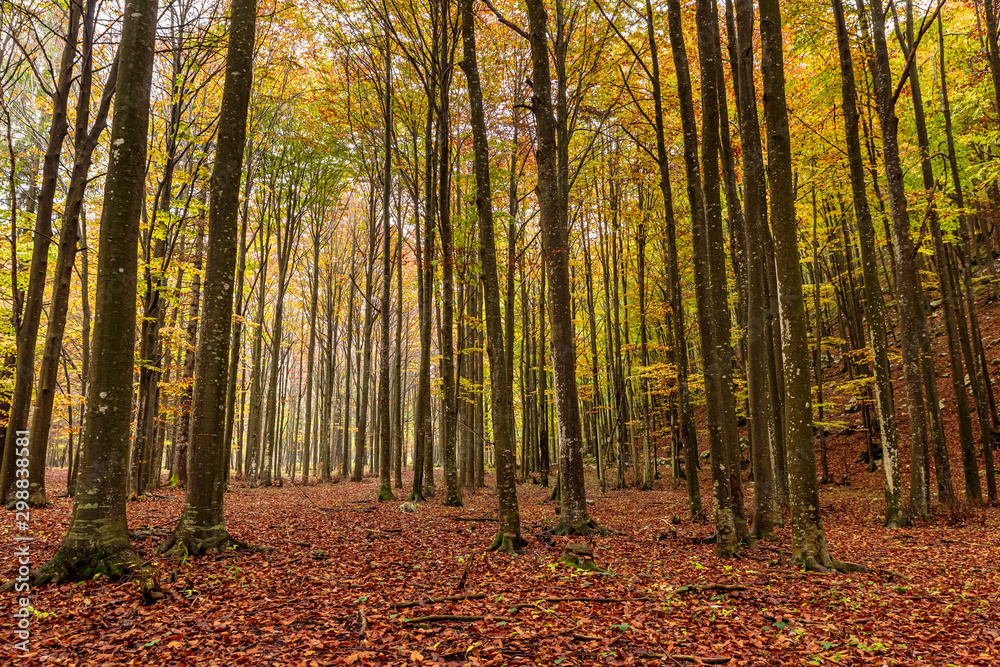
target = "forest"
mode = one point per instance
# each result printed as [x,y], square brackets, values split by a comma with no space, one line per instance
[499,332]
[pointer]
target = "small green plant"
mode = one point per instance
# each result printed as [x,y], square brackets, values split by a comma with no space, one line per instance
[42,615]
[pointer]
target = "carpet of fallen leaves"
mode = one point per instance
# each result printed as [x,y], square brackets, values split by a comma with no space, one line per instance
[332,590]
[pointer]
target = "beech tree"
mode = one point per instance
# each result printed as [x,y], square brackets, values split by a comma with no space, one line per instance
[201,528]
[97,540]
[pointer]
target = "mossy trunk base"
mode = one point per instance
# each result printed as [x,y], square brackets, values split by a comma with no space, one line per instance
[193,541]
[82,564]
[36,500]
[505,543]
[385,493]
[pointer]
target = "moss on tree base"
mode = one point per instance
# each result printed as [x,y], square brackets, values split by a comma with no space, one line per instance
[505,543]
[454,500]
[71,564]
[385,494]
[193,542]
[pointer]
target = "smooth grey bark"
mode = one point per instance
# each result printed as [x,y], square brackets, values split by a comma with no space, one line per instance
[201,528]
[449,409]
[809,545]
[722,491]
[766,513]
[685,412]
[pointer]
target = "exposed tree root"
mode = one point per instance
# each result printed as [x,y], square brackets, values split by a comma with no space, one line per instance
[566,526]
[38,499]
[77,564]
[827,564]
[192,542]
[35,500]
[506,543]
[385,494]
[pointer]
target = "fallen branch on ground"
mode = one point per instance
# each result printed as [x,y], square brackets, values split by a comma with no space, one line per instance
[714,660]
[701,588]
[443,617]
[444,598]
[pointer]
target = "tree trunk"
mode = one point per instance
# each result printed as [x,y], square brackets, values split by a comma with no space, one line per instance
[311,355]
[26,333]
[766,514]
[725,518]
[874,305]
[201,528]
[508,538]
[385,436]
[573,518]
[449,411]
[85,142]
[908,286]
[97,540]
[808,538]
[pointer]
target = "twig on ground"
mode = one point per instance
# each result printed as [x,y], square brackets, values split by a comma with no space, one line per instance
[444,598]
[443,617]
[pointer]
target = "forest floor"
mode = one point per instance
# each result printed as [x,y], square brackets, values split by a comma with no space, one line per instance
[330,592]
[347,577]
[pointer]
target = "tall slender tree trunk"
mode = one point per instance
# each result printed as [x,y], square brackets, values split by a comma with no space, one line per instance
[423,484]
[766,514]
[97,540]
[808,538]
[364,379]
[385,436]
[449,411]
[908,286]
[508,538]
[399,458]
[685,412]
[874,304]
[345,410]
[85,141]
[27,332]
[573,518]
[201,528]
[190,359]
[311,355]
[725,519]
